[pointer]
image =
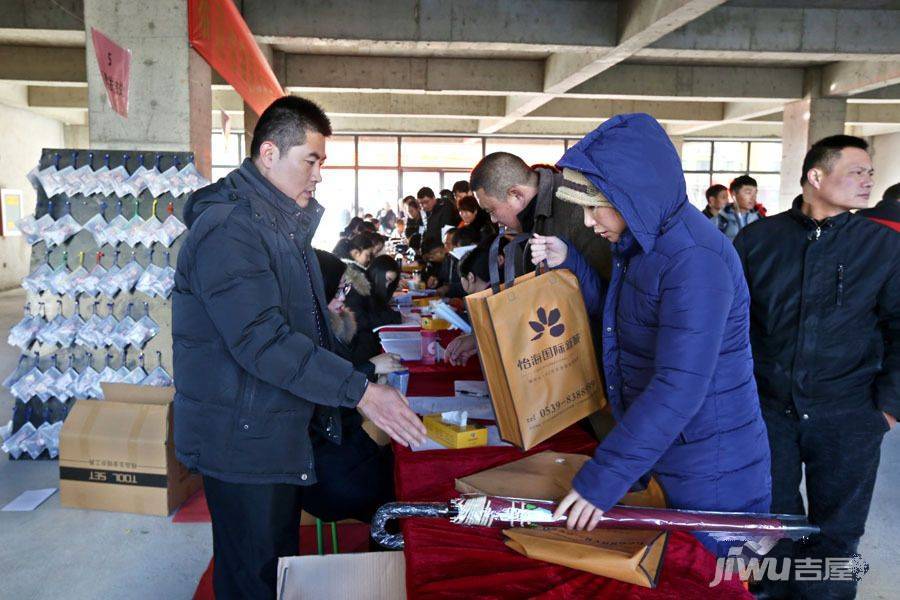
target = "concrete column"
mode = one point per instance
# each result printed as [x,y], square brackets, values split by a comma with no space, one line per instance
[250,117]
[170,93]
[805,122]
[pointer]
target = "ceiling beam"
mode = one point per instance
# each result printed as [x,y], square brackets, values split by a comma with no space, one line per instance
[849,78]
[534,24]
[641,22]
[43,65]
[736,32]
[734,112]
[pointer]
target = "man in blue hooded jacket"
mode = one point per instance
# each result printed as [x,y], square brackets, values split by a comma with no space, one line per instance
[264,408]
[675,332]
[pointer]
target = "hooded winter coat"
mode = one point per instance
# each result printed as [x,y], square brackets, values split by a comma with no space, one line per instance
[675,335]
[254,364]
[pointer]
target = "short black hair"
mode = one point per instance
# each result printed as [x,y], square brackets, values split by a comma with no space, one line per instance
[827,150]
[432,243]
[499,171]
[477,261]
[285,123]
[740,181]
[461,186]
[892,194]
[425,192]
[466,236]
[714,190]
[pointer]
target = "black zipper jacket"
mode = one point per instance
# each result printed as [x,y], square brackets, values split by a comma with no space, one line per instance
[824,312]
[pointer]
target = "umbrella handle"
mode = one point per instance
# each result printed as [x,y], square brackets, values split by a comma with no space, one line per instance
[402,510]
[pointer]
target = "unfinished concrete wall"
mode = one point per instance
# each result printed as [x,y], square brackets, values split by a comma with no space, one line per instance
[23,135]
[885,151]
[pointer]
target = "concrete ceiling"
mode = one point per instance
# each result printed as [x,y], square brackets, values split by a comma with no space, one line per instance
[533,67]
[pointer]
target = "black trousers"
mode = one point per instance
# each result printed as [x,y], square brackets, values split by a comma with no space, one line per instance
[253,525]
[841,453]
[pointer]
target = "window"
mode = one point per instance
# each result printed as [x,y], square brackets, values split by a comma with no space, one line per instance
[706,162]
[227,154]
[440,152]
[533,152]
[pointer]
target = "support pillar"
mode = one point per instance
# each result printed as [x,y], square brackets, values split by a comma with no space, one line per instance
[250,117]
[804,123]
[170,92]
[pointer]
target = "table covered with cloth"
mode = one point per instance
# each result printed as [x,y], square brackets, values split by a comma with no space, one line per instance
[449,561]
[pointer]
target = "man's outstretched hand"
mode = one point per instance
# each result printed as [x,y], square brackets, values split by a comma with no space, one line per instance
[389,410]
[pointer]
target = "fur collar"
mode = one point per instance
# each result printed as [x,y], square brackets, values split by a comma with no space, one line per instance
[343,325]
[356,275]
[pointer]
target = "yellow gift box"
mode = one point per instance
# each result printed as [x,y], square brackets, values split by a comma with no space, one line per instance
[454,436]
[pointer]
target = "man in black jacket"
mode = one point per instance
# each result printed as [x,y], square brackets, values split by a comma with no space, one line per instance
[259,391]
[825,330]
[438,214]
[524,200]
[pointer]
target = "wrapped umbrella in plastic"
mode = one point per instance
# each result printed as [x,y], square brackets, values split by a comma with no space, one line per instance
[191,178]
[118,177]
[157,180]
[99,182]
[133,233]
[22,367]
[88,382]
[63,228]
[151,227]
[84,335]
[47,177]
[108,374]
[115,231]
[64,386]
[103,332]
[137,181]
[98,227]
[148,279]
[138,374]
[24,388]
[46,385]
[498,511]
[60,283]
[38,281]
[47,334]
[158,377]
[109,285]
[68,330]
[171,228]
[27,225]
[78,277]
[91,284]
[24,332]
[81,177]
[118,339]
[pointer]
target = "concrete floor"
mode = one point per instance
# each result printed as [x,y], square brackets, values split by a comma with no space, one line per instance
[56,552]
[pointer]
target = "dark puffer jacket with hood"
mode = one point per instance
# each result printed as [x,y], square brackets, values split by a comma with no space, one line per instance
[675,335]
[255,374]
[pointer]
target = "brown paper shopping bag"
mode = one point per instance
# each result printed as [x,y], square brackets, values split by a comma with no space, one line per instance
[536,351]
[546,476]
[632,556]
[629,555]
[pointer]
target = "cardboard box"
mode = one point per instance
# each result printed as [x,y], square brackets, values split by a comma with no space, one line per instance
[454,436]
[118,454]
[369,575]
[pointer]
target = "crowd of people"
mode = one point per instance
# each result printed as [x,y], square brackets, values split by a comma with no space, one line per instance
[737,349]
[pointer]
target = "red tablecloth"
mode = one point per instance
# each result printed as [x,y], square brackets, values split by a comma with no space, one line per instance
[437,379]
[448,561]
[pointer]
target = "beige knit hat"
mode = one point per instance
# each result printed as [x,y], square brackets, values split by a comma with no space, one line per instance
[577,189]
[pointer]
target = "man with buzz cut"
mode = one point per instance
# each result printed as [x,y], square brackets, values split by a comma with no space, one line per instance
[825,333]
[265,409]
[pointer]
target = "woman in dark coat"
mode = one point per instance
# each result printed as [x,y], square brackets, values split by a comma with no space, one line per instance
[369,300]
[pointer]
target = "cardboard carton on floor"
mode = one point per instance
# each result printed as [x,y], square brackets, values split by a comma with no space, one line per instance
[118,454]
[369,575]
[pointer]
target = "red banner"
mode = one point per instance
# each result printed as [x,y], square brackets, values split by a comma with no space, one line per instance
[219,34]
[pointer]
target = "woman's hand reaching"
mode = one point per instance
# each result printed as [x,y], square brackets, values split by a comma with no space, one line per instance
[549,248]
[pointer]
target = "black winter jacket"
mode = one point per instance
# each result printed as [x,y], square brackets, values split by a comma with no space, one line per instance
[443,213]
[824,313]
[254,370]
[370,313]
